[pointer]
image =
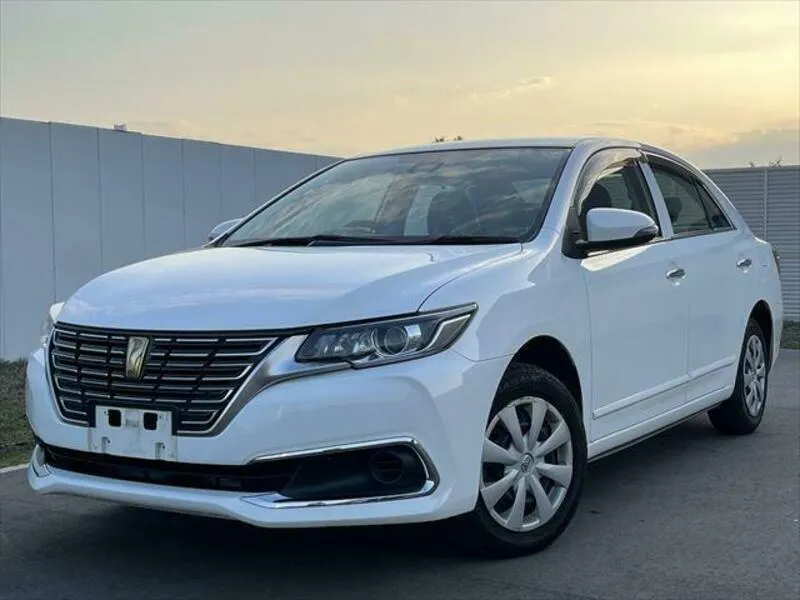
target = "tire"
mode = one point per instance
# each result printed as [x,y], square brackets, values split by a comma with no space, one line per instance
[741,414]
[522,391]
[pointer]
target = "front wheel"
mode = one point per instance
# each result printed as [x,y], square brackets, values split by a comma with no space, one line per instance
[532,466]
[742,412]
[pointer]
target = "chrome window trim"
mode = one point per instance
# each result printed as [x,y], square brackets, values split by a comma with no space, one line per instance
[279,501]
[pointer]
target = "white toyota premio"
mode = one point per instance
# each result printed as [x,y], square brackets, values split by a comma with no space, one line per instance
[444,332]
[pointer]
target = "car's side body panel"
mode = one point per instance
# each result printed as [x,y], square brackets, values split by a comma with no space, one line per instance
[540,298]
[716,290]
[639,327]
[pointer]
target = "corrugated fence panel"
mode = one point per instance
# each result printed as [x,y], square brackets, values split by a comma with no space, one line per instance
[268,177]
[76,207]
[238,182]
[163,195]
[275,171]
[201,187]
[121,198]
[27,269]
[745,188]
[783,231]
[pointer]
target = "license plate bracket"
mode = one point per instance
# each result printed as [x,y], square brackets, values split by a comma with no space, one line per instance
[133,433]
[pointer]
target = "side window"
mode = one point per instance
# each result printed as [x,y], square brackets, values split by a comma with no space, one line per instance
[691,209]
[619,187]
[716,217]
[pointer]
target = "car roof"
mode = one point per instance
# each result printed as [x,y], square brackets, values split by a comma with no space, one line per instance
[591,142]
[521,142]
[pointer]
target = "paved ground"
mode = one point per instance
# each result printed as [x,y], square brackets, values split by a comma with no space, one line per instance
[686,515]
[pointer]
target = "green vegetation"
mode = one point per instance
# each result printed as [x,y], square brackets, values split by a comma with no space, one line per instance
[791,335]
[16,441]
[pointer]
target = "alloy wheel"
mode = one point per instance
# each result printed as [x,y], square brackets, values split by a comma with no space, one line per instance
[755,375]
[526,465]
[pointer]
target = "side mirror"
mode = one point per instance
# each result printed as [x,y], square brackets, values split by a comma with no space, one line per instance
[223,228]
[614,228]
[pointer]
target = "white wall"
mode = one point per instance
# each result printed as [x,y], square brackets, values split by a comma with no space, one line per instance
[78,201]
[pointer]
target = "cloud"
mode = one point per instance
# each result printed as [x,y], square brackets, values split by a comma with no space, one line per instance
[403,98]
[676,136]
[534,83]
[760,146]
[523,86]
[707,147]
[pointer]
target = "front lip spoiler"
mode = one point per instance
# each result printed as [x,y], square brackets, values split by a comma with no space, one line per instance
[41,469]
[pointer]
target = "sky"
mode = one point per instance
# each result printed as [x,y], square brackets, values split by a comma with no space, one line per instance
[717,81]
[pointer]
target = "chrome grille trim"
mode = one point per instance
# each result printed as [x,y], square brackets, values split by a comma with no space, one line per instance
[196,376]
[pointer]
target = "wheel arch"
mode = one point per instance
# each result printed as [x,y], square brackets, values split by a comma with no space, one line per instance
[762,314]
[550,354]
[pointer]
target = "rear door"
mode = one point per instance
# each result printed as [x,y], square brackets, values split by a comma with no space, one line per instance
[715,258]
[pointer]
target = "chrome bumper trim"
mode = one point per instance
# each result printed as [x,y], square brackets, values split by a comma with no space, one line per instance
[280,501]
[37,463]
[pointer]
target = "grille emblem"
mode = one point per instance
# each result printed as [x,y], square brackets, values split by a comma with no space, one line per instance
[136,357]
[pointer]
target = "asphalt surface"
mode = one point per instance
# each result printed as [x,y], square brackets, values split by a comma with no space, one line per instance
[686,515]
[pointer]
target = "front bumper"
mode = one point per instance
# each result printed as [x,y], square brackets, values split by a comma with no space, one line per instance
[437,404]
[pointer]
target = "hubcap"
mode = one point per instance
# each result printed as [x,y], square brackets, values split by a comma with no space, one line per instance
[755,375]
[526,465]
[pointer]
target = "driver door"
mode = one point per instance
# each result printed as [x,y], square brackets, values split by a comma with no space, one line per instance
[638,307]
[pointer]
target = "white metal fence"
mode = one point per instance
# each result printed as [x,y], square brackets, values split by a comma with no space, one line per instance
[79,201]
[769,200]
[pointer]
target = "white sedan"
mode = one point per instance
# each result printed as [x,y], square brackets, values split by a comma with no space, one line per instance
[449,332]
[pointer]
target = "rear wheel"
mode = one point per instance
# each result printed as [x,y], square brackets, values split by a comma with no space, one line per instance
[532,466]
[742,412]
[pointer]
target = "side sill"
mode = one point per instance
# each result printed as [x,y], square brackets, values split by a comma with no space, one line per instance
[658,430]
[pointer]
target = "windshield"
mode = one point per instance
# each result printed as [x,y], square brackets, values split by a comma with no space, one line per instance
[467,196]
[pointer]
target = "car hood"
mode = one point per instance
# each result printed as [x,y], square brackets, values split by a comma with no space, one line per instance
[228,289]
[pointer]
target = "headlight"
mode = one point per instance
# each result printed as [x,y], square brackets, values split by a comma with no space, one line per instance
[49,323]
[389,340]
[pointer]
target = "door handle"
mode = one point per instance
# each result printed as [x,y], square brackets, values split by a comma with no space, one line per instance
[744,263]
[675,274]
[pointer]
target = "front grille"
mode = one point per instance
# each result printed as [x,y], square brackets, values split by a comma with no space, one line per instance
[195,375]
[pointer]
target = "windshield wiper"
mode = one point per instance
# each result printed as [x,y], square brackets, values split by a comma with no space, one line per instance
[326,238]
[313,239]
[463,239]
